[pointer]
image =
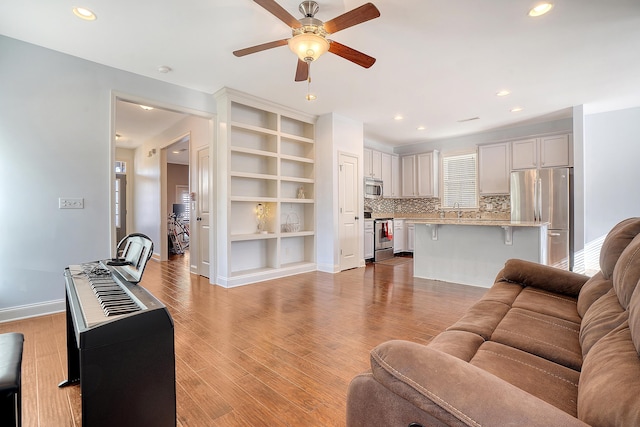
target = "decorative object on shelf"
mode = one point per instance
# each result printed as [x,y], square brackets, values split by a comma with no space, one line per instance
[292,223]
[301,192]
[262,213]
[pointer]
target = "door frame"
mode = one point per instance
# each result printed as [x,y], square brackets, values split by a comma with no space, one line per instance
[212,144]
[360,207]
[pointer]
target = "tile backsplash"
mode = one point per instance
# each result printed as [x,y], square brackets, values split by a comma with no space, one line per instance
[494,207]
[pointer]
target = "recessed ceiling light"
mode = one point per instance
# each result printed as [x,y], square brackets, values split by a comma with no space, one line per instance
[540,9]
[146,107]
[421,128]
[398,117]
[516,109]
[503,92]
[469,119]
[84,13]
[175,152]
[164,69]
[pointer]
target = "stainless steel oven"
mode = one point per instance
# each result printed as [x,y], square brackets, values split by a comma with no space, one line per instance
[383,242]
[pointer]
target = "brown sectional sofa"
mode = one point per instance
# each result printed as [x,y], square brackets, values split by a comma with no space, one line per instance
[543,347]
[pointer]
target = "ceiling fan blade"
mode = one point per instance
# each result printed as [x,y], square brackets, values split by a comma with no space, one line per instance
[356,16]
[260,47]
[279,12]
[302,71]
[352,55]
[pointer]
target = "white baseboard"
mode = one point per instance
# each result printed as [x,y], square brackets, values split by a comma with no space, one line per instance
[31,310]
[329,268]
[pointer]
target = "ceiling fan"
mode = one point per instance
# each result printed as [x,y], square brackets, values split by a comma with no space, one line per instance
[309,35]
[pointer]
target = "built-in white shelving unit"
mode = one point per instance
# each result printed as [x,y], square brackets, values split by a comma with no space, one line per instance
[271,166]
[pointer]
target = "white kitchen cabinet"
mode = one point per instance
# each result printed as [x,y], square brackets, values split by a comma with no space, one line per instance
[387,178]
[427,174]
[399,238]
[366,161]
[372,163]
[410,237]
[555,151]
[396,177]
[543,152]
[409,176]
[420,175]
[369,235]
[494,168]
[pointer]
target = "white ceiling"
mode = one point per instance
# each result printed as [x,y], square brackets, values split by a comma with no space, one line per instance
[135,125]
[438,62]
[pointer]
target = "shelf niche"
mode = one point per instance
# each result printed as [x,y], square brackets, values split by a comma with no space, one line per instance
[271,153]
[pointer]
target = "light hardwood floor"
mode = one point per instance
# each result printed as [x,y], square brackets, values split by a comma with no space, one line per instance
[276,353]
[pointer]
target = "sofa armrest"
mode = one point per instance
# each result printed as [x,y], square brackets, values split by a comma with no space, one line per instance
[544,277]
[456,392]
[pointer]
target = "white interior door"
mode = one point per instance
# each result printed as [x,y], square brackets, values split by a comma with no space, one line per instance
[203,212]
[348,205]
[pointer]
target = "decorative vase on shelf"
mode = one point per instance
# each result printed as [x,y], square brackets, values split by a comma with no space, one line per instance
[301,193]
[262,213]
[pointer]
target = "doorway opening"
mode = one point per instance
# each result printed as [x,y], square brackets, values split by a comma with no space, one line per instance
[178,202]
[155,141]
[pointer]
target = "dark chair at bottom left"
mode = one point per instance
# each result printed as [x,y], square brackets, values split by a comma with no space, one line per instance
[10,379]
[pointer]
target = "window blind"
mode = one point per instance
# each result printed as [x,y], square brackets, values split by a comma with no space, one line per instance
[459,180]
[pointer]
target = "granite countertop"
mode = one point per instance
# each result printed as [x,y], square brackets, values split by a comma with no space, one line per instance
[472,221]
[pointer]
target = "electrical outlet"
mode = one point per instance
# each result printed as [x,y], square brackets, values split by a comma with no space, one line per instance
[70,203]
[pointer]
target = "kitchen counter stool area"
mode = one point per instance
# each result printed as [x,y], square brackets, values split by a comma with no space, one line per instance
[471,252]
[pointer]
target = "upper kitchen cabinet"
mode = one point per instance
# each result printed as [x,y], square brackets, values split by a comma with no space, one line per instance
[543,152]
[494,168]
[391,175]
[396,177]
[420,175]
[372,163]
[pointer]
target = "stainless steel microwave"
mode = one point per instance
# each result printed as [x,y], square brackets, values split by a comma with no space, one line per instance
[372,188]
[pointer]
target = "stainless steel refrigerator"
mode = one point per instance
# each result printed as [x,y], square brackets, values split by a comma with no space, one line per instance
[544,195]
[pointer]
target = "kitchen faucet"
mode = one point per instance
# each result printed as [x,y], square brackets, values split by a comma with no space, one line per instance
[457,205]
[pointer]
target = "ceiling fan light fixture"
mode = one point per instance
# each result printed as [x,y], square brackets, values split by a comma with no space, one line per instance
[308,46]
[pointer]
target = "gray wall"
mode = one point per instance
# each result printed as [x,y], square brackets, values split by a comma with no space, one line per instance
[55,130]
[612,170]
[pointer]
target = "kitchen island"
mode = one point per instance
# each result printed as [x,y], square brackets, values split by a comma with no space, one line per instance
[472,252]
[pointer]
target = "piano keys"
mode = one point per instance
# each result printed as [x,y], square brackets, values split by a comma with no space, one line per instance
[120,344]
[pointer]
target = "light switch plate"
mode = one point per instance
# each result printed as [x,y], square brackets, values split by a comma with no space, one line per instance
[70,203]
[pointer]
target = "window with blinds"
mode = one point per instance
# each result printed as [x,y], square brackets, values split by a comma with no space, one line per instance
[183,197]
[459,180]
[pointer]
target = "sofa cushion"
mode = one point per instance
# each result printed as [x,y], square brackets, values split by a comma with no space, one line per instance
[503,291]
[551,338]
[460,344]
[609,389]
[595,287]
[481,318]
[546,277]
[549,303]
[603,316]
[616,241]
[553,383]
[627,272]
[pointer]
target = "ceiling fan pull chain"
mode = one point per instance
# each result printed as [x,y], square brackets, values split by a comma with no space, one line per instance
[310,96]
